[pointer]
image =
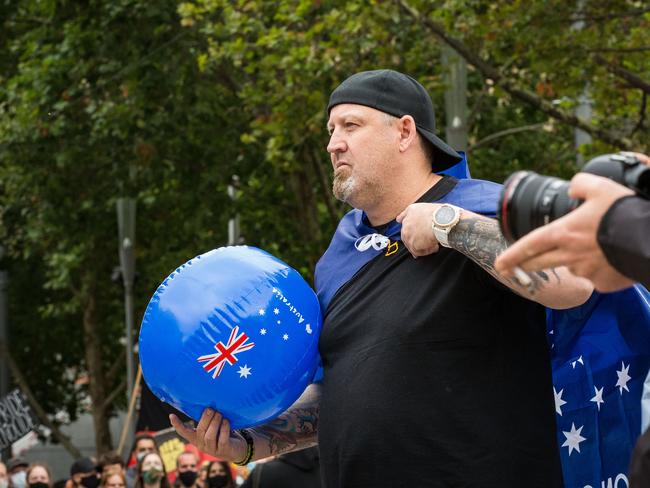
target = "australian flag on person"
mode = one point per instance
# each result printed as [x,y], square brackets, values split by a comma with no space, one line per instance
[600,351]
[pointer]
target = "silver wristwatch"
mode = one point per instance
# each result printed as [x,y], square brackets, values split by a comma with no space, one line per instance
[445,218]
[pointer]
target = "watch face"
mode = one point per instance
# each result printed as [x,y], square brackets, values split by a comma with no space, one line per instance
[445,215]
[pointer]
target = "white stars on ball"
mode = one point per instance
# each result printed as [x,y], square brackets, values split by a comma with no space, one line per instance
[276,311]
[262,312]
[263,331]
[285,337]
[573,438]
[244,371]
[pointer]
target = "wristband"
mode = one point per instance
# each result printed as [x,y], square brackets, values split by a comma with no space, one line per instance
[250,448]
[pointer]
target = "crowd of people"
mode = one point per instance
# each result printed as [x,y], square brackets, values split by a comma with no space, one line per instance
[144,468]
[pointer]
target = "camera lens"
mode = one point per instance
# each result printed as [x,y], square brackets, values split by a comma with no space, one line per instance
[529,200]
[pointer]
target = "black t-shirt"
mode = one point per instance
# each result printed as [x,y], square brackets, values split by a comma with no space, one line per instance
[435,375]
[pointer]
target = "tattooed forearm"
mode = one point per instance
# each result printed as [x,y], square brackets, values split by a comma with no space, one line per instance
[481,240]
[295,429]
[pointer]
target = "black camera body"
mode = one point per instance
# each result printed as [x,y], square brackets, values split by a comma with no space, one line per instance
[529,200]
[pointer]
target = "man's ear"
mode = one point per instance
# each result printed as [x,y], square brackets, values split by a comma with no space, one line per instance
[408,132]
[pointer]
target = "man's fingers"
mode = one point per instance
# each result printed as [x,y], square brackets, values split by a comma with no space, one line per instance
[547,260]
[224,435]
[535,243]
[211,433]
[185,432]
[204,422]
[401,215]
[583,185]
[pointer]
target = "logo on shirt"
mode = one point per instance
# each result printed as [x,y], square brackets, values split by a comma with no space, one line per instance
[377,242]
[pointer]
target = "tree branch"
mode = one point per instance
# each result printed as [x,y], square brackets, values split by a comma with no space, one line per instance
[112,372]
[618,15]
[633,79]
[618,49]
[509,87]
[40,413]
[503,133]
[113,395]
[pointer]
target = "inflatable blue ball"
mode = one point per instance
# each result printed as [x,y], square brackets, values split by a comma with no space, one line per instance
[234,329]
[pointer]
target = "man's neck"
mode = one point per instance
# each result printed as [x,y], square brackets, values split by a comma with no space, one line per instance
[389,208]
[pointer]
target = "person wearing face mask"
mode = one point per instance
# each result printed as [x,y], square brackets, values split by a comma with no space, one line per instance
[17,468]
[83,473]
[187,470]
[38,476]
[144,444]
[151,472]
[219,475]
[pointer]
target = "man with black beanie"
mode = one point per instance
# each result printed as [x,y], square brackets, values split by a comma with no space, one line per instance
[436,369]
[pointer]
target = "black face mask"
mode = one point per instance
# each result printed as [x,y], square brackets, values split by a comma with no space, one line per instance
[218,481]
[188,478]
[91,481]
[39,484]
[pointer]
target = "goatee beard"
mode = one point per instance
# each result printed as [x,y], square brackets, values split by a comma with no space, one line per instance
[342,186]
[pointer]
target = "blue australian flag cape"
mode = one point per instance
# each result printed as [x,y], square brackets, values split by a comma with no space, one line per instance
[600,351]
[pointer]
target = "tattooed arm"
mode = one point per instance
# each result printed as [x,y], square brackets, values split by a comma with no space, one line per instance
[479,238]
[295,429]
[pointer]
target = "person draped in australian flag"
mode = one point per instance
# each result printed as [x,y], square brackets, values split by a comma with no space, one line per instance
[431,360]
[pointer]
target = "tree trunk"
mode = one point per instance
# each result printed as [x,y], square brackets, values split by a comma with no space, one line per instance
[97,386]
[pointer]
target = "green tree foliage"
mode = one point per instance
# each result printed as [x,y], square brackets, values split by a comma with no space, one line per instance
[100,100]
[165,101]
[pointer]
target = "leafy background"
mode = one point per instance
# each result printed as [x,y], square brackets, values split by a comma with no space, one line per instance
[165,101]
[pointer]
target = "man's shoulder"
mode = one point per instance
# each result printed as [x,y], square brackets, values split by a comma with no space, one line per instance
[478,196]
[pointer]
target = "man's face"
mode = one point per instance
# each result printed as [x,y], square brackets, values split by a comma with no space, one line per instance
[187,462]
[362,145]
[144,446]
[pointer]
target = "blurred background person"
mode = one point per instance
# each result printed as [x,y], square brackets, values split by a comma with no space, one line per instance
[151,472]
[110,461]
[143,444]
[38,476]
[4,476]
[187,470]
[17,468]
[83,473]
[113,478]
[219,475]
[203,474]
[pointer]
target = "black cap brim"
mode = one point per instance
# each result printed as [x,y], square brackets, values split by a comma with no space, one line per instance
[444,156]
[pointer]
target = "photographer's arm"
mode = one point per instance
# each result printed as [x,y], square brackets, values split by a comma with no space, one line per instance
[479,238]
[295,429]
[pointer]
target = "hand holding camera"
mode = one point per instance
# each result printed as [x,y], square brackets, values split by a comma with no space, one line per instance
[573,212]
